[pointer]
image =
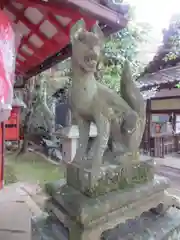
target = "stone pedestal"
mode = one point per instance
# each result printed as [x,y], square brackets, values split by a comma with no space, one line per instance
[88,208]
[111,177]
[87,218]
[148,226]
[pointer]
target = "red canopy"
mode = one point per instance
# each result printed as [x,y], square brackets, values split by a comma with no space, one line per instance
[44,27]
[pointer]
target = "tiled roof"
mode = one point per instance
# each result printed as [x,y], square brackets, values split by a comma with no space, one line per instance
[169,77]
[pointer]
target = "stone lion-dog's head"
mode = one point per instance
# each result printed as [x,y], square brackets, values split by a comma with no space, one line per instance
[86,46]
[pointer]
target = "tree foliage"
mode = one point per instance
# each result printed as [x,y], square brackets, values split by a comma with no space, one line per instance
[38,101]
[171,39]
[124,45]
[168,53]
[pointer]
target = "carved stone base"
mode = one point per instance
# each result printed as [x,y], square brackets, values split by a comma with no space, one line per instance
[146,227]
[87,218]
[112,176]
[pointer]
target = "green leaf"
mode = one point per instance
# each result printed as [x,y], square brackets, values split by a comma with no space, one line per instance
[177,85]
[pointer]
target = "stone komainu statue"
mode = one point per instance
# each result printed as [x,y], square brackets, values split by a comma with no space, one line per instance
[120,118]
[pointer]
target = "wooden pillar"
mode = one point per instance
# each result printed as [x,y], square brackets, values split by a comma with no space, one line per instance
[175,140]
[148,122]
[163,148]
[174,122]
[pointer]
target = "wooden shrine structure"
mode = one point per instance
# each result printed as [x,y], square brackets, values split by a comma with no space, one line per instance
[162,132]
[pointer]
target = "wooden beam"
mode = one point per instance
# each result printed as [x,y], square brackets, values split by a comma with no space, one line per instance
[57,9]
[88,8]
[165,111]
[148,119]
[100,12]
[165,97]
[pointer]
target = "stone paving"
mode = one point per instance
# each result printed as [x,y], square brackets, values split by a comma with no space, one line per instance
[15,220]
[172,161]
[172,164]
[147,227]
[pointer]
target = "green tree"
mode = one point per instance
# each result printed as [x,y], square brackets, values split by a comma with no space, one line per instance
[168,54]
[171,39]
[37,101]
[126,44]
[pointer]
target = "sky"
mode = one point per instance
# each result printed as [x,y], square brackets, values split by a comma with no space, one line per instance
[156,12]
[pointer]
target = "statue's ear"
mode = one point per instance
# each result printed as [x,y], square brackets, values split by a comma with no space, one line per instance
[78,27]
[97,30]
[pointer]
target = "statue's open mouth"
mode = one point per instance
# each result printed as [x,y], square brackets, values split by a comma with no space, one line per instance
[90,61]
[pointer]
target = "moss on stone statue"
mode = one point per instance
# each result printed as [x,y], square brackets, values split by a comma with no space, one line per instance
[120,180]
[136,156]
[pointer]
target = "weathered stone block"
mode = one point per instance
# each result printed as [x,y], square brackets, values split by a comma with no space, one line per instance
[112,177]
[88,211]
[145,227]
[87,218]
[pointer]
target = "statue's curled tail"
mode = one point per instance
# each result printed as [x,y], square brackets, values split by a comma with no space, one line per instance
[132,95]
